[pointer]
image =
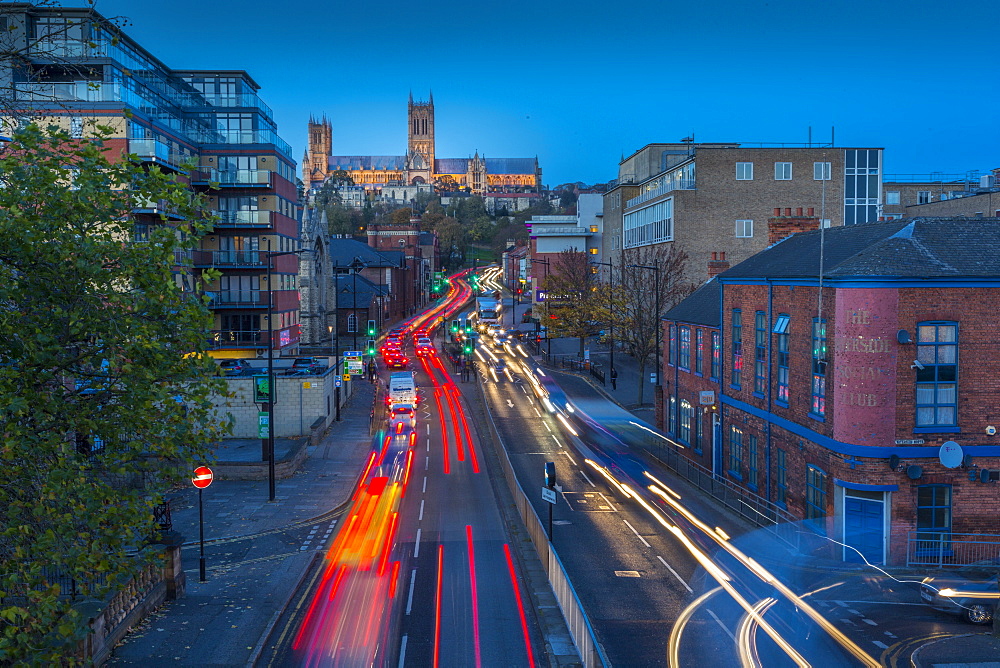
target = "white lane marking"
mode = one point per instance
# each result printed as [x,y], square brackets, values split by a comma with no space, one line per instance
[848,621]
[427,463]
[570,456]
[530,401]
[869,621]
[547,426]
[536,412]
[402,652]
[636,533]
[428,433]
[424,490]
[840,603]
[421,510]
[719,622]
[679,578]
[510,404]
[880,644]
[523,389]
[428,445]
[409,598]
[556,440]
[890,634]
[853,611]
[591,482]
[416,545]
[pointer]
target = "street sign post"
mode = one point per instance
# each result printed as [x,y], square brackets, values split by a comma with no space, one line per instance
[549,491]
[261,389]
[263,419]
[548,495]
[203,477]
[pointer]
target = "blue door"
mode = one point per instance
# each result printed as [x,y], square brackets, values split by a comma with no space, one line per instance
[864,526]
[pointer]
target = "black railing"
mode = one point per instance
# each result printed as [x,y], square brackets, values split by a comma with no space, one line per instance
[161,515]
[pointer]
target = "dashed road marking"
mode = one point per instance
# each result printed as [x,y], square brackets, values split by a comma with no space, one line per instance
[636,533]
[416,545]
[679,578]
[869,621]
[880,644]
[591,482]
[421,517]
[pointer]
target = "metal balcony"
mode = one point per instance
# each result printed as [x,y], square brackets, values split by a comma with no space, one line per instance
[244,218]
[229,258]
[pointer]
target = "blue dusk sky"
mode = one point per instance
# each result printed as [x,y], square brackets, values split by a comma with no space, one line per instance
[581,83]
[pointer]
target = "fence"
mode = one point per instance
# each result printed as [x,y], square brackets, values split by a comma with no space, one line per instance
[932,548]
[591,653]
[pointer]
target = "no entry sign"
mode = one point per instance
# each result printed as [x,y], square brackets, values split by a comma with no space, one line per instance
[202,477]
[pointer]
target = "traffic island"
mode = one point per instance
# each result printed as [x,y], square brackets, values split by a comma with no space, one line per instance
[972,650]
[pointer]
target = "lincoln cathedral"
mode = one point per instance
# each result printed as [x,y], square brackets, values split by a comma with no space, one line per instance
[420,168]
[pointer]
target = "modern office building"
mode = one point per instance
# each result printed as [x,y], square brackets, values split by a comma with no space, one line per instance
[858,399]
[714,200]
[81,70]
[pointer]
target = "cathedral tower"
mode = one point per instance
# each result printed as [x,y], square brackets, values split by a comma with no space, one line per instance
[316,164]
[421,141]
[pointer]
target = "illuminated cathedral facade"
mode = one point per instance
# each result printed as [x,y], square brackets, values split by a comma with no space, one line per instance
[420,167]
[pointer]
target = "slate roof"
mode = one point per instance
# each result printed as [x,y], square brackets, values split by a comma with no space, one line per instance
[905,248]
[370,162]
[701,307]
[493,165]
[343,251]
[366,290]
[451,166]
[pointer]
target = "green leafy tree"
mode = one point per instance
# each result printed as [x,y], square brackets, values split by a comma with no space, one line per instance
[104,385]
[572,306]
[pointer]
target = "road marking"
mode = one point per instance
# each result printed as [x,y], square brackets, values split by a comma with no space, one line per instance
[409,598]
[636,533]
[853,612]
[890,634]
[848,621]
[537,413]
[424,490]
[719,622]
[569,455]
[402,652]
[547,427]
[428,433]
[416,545]
[679,578]
[627,574]
[868,621]
[529,400]
[524,389]
[556,440]
[421,510]
[591,482]
[510,404]
[428,445]
[427,462]
[880,644]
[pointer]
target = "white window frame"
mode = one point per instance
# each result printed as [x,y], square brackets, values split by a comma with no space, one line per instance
[822,171]
[743,225]
[744,171]
[780,171]
[924,197]
[892,197]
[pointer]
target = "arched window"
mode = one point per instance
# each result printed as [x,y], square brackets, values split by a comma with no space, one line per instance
[352,323]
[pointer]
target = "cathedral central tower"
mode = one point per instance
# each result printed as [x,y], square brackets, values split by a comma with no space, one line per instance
[421,139]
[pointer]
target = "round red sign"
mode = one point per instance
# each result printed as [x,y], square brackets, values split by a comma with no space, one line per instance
[202,477]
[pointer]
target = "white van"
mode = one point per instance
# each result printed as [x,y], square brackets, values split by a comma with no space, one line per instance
[402,389]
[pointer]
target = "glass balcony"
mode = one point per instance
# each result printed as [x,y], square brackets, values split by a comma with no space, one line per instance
[244,178]
[238,339]
[243,218]
[239,299]
[229,258]
[245,100]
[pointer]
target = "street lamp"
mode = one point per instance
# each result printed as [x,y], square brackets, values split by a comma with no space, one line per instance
[611,307]
[656,287]
[270,363]
[548,339]
[356,265]
[336,364]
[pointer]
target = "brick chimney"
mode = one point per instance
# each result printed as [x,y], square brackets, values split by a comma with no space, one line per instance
[717,264]
[782,227]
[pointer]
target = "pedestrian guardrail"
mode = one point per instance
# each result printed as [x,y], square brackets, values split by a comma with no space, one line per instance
[943,548]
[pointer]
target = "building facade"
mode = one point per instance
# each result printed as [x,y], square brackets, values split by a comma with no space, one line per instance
[80,71]
[714,200]
[859,398]
[551,235]
[420,166]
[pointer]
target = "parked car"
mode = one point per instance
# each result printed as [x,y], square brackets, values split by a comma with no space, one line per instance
[310,364]
[233,367]
[970,591]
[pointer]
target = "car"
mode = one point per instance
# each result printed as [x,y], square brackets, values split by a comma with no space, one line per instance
[423,346]
[310,364]
[396,361]
[404,413]
[234,367]
[970,591]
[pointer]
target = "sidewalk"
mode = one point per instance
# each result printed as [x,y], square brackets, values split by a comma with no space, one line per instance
[220,622]
[975,650]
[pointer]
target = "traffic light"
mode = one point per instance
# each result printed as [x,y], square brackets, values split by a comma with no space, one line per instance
[454,326]
[372,331]
[468,347]
[371,347]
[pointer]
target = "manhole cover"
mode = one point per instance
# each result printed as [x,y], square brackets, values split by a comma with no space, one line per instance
[593,502]
[627,574]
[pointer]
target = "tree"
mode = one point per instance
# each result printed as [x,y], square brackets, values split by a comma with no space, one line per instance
[453,242]
[571,298]
[401,216]
[633,303]
[104,381]
[445,184]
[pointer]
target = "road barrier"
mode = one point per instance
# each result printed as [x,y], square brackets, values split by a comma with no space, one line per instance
[591,652]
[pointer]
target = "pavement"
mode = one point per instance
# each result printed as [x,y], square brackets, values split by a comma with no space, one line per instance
[975,650]
[257,551]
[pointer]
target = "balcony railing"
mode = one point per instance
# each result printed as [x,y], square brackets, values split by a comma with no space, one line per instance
[152,150]
[243,218]
[245,178]
[238,299]
[679,184]
[943,548]
[238,339]
[229,258]
[248,100]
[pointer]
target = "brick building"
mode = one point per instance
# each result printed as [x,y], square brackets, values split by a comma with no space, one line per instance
[713,200]
[838,407]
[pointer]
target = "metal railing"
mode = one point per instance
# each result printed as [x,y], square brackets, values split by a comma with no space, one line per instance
[672,185]
[254,218]
[254,338]
[943,548]
[233,177]
[239,299]
[229,258]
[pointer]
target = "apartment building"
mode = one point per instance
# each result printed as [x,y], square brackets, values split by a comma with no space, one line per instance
[970,197]
[859,400]
[80,70]
[551,235]
[713,200]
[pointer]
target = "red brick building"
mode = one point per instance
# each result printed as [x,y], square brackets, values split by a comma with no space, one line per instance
[869,410]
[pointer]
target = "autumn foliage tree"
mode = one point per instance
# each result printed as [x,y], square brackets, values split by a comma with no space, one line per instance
[572,307]
[104,385]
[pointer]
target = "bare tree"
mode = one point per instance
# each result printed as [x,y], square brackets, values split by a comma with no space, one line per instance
[571,301]
[634,305]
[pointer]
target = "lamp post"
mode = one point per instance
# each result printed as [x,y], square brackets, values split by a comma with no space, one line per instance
[270,363]
[611,306]
[548,339]
[336,365]
[357,264]
[656,287]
